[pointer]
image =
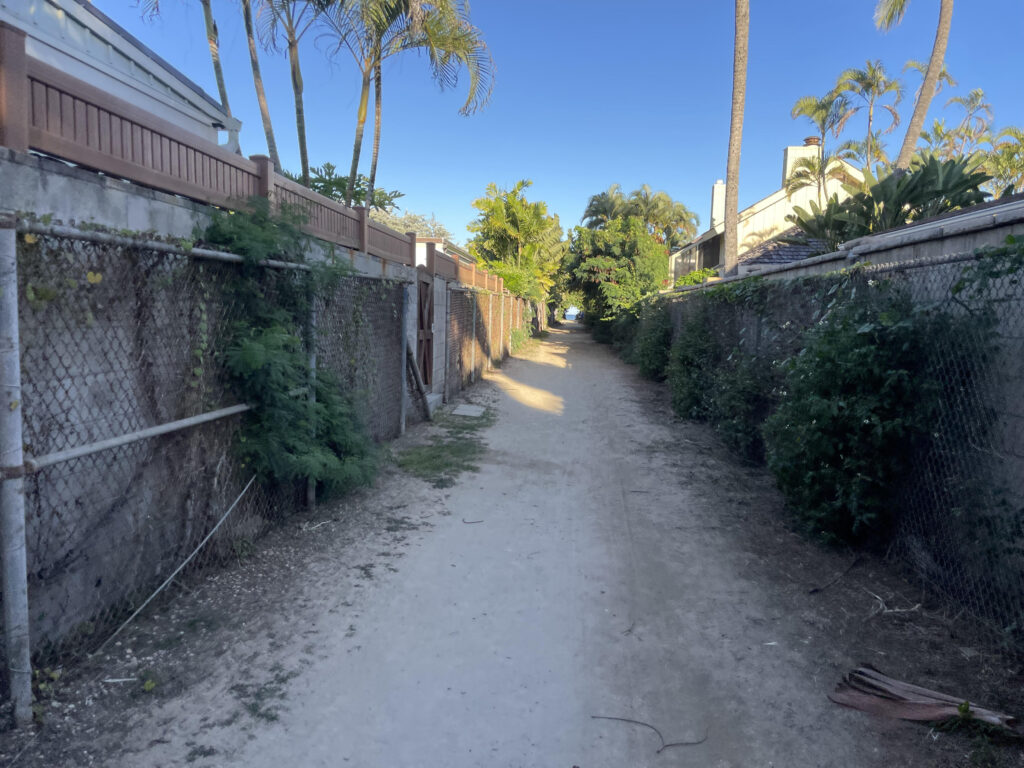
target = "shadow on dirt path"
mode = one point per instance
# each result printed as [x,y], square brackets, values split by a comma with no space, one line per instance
[603,562]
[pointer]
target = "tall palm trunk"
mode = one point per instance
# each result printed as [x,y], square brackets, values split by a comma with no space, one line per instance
[300,111]
[871,137]
[931,79]
[364,98]
[257,78]
[377,87]
[739,94]
[213,39]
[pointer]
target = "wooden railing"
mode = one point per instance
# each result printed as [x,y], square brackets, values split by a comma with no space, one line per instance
[44,109]
[325,218]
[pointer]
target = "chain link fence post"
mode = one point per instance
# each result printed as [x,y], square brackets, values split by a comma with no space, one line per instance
[12,496]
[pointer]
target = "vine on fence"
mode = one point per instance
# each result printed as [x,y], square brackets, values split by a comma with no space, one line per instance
[287,436]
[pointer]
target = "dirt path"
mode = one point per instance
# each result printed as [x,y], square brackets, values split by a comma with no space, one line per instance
[604,561]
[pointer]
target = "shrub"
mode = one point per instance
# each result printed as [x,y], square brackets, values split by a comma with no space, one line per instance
[856,406]
[652,341]
[738,401]
[286,436]
[697,277]
[621,333]
[693,358]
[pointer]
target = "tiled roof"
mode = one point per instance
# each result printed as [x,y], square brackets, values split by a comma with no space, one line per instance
[775,251]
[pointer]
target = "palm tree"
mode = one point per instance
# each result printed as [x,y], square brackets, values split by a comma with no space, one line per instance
[604,207]
[679,224]
[940,140]
[871,84]
[976,120]
[1006,161]
[290,19]
[257,79]
[373,30]
[151,8]
[739,95]
[888,13]
[856,152]
[921,68]
[817,172]
[647,205]
[827,113]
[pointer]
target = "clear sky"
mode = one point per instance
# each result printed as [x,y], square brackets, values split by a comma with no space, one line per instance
[594,92]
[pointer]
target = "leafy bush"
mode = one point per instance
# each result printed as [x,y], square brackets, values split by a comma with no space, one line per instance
[652,340]
[856,407]
[519,337]
[738,401]
[286,436]
[697,277]
[692,361]
[622,332]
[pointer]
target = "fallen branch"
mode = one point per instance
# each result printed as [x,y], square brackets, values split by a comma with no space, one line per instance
[850,567]
[664,746]
[471,522]
[868,690]
[882,608]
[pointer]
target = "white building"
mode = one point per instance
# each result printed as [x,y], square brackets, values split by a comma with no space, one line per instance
[760,222]
[79,40]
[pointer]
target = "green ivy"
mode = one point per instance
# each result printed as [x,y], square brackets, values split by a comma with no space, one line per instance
[287,436]
[652,340]
[858,405]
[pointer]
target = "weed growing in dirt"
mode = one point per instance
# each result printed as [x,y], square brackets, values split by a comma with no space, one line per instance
[454,451]
[198,751]
[260,701]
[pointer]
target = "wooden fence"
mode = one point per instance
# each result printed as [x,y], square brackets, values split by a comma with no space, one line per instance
[46,110]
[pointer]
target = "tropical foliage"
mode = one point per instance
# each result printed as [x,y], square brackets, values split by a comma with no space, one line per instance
[931,187]
[325,181]
[668,221]
[517,240]
[372,31]
[616,266]
[411,222]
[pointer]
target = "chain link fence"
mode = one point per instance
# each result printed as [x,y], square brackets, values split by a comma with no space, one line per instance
[118,338]
[959,513]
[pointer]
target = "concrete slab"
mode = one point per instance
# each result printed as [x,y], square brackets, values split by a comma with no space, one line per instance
[464,409]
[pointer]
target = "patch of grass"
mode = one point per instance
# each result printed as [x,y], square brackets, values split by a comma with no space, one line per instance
[366,570]
[456,450]
[199,751]
[398,524]
[259,700]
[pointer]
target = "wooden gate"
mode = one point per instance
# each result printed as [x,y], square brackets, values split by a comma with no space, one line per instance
[424,325]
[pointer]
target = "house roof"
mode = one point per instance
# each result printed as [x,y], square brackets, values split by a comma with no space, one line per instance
[124,33]
[775,251]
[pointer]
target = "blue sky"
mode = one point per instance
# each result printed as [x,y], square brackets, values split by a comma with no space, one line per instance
[591,92]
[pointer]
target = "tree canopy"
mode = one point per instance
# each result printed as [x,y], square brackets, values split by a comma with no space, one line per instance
[669,221]
[615,266]
[517,240]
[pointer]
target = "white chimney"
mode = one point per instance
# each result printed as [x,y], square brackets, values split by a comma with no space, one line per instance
[717,203]
[791,155]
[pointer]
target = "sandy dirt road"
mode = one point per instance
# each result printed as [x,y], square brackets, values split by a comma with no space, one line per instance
[610,574]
